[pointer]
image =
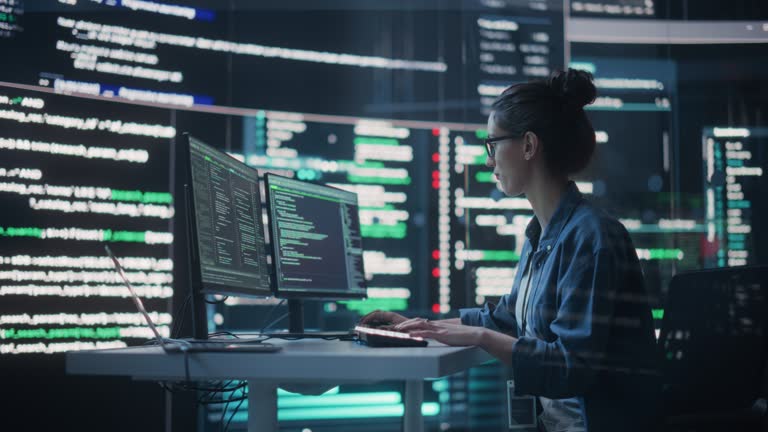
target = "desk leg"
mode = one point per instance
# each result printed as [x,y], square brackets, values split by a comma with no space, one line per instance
[262,407]
[414,396]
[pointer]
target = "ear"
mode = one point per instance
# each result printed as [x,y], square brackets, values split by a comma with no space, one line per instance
[531,145]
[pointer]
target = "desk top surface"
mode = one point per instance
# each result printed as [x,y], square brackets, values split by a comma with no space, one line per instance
[299,360]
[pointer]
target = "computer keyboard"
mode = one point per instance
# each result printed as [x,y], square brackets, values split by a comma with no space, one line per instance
[378,338]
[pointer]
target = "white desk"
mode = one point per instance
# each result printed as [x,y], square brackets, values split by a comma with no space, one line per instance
[301,361]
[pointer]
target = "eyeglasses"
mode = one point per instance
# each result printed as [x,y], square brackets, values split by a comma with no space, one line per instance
[490,143]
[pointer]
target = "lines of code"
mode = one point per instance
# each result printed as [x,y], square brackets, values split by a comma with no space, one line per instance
[614,8]
[318,238]
[76,174]
[11,13]
[230,233]
[734,173]
[177,55]
[513,45]
[380,161]
[186,56]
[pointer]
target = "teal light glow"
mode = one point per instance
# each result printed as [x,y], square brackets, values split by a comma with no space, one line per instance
[428,409]
[440,385]
[346,400]
[284,393]
[585,66]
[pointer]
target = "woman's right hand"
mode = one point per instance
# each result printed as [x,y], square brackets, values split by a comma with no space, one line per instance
[381,317]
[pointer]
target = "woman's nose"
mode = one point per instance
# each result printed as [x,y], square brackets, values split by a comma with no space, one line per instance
[490,162]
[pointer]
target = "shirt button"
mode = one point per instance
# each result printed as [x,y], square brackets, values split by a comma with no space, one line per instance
[549,247]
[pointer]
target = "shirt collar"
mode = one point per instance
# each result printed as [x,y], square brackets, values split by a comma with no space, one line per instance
[570,199]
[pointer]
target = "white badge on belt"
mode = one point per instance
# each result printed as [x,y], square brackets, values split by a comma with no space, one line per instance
[521,410]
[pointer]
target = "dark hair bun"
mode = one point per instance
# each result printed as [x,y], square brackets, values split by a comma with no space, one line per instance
[552,108]
[574,87]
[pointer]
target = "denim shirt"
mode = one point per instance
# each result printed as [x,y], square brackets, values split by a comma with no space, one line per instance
[591,316]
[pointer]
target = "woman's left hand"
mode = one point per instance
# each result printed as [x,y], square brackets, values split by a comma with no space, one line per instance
[449,334]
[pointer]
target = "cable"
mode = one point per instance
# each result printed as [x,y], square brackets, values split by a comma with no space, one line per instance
[230,400]
[277,320]
[223,415]
[210,392]
[223,333]
[222,389]
[221,401]
[216,301]
[236,338]
[237,408]
[269,314]
[182,310]
[206,398]
[183,347]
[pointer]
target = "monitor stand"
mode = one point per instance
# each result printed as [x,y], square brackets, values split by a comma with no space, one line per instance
[296,326]
[295,316]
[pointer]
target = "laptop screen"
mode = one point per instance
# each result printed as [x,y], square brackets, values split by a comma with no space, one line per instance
[134,296]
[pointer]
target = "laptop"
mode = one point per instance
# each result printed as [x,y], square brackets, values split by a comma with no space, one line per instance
[180,345]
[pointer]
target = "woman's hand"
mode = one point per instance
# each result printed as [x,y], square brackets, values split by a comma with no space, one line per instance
[380,316]
[449,334]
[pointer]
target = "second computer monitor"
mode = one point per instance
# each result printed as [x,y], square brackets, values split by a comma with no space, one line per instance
[316,240]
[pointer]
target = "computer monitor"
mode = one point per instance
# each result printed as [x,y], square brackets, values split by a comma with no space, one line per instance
[316,243]
[226,234]
[726,305]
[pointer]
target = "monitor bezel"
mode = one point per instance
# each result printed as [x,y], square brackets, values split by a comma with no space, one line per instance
[196,278]
[292,294]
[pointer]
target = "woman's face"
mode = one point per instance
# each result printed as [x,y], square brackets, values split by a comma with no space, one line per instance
[509,165]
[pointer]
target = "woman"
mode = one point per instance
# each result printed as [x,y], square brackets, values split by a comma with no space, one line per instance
[576,329]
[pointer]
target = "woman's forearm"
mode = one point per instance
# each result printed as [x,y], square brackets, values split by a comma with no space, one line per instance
[454,321]
[497,344]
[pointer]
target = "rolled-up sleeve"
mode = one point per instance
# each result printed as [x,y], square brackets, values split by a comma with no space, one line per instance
[566,367]
[495,317]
